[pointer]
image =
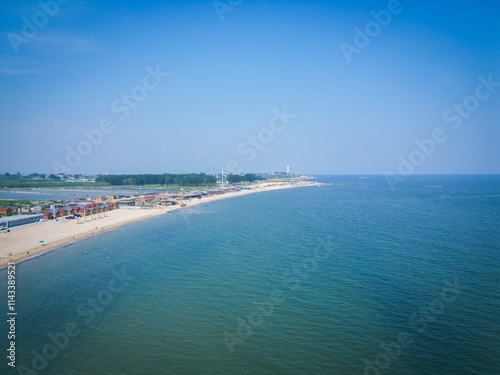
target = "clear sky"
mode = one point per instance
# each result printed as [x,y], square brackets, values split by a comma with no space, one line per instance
[189,86]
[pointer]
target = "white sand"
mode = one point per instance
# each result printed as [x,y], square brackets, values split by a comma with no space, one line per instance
[23,242]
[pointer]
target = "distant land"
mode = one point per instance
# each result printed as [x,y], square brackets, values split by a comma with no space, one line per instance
[42,180]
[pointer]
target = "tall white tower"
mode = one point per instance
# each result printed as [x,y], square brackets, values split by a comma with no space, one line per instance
[222,178]
[287,169]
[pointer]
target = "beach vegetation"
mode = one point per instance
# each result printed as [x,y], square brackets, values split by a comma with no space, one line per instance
[15,203]
[36,180]
[236,178]
[186,179]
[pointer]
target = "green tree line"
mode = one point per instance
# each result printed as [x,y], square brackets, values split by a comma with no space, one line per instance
[14,181]
[236,178]
[188,179]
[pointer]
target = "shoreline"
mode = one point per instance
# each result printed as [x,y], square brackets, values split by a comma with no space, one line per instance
[24,242]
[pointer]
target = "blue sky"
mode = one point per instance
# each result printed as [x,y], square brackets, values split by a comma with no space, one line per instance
[231,71]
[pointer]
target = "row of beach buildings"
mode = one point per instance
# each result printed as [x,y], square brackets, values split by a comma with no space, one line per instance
[14,216]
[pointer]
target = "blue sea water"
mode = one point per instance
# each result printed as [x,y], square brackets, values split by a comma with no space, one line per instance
[349,278]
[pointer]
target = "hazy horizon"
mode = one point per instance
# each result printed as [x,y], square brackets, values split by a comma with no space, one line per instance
[265,172]
[367,88]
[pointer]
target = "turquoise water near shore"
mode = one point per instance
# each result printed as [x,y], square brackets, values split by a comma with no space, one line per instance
[349,278]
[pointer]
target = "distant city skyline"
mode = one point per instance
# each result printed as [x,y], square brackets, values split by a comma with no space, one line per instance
[395,88]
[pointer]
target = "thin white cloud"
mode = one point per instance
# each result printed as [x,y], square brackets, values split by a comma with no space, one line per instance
[63,42]
[40,47]
[14,65]
[19,71]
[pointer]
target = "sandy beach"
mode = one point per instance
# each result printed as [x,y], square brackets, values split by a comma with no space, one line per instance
[23,242]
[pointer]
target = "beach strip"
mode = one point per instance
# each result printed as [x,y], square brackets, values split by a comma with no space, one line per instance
[31,240]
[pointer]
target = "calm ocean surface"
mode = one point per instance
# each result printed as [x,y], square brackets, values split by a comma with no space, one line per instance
[344,279]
